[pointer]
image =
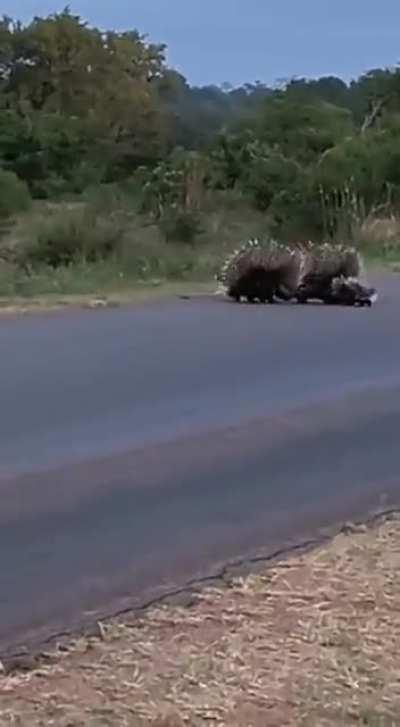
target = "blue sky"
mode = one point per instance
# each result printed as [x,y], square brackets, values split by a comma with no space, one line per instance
[213,41]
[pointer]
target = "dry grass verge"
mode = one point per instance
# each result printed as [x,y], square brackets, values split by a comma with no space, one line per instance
[139,294]
[313,641]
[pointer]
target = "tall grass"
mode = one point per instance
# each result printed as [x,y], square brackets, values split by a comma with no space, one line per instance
[379,238]
[101,243]
[375,231]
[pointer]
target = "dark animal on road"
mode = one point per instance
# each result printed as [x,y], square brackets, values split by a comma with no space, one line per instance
[261,272]
[268,271]
[336,291]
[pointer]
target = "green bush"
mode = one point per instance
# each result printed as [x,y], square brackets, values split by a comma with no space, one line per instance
[122,197]
[14,195]
[181,226]
[267,176]
[69,234]
[297,212]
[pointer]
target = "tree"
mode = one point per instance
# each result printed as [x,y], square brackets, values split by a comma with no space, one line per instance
[330,89]
[302,131]
[73,82]
[375,95]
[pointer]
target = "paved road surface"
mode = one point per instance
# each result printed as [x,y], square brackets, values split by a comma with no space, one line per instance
[143,447]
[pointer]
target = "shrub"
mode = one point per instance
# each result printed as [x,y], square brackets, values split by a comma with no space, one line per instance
[181,226]
[379,237]
[267,176]
[63,236]
[14,194]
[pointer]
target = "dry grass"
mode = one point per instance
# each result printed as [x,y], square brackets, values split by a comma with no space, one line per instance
[379,239]
[139,294]
[314,641]
[379,230]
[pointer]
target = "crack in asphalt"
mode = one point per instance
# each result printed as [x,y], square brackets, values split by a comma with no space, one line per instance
[29,657]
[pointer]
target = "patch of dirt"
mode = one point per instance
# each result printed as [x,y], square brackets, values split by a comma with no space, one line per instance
[311,642]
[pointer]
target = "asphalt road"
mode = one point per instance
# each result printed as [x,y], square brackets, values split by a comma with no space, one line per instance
[141,448]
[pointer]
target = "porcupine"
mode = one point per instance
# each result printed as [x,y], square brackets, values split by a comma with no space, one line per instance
[329,273]
[349,291]
[261,271]
[334,274]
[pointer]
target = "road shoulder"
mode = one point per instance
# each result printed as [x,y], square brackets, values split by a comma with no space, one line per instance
[313,640]
[134,296]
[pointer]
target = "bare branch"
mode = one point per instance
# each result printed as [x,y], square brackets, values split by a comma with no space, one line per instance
[372,115]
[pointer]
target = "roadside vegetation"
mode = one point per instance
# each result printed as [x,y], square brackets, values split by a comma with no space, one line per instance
[116,173]
[312,640]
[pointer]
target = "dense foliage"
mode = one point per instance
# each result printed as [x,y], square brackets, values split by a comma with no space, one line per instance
[81,109]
